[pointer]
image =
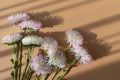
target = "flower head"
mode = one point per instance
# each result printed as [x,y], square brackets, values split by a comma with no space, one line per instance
[58,60]
[85,59]
[76,49]
[49,44]
[32,40]
[74,37]
[82,54]
[12,38]
[30,24]
[18,17]
[40,66]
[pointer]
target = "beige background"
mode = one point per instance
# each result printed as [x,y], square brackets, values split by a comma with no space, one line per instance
[97,20]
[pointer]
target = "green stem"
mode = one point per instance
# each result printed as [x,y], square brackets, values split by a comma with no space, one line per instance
[17,61]
[68,70]
[27,65]
[14,60]
[57,71]
[37,77]
[20,65]
[30,74]
[24,71]
[46,76]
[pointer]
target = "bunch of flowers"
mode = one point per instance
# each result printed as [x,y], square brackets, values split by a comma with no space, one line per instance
[50,57]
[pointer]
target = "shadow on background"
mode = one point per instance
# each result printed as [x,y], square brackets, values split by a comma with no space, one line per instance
[102,22]
[48,4]
[53,3]
[46,18]
[19,4]
[38,6]
[5,52]
[96,47]
[99,73]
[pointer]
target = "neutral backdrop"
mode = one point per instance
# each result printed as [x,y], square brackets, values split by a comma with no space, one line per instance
[97,20]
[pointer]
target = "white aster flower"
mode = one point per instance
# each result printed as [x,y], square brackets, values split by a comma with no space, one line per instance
[58,60]
[82,54]
[12,38]
[74,37]
[49,44]
[40,66]
[30,24]
[32,40]
[85,59]
[18,17]
[51,51]
[76,49]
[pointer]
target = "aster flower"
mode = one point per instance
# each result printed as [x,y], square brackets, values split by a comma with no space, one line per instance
[74,37]
[58,60]
[30,24]
[49,44]
[76,49]
[40,66]
[85,59]
[12,38]
[18,17]
[32,40]
[82,54]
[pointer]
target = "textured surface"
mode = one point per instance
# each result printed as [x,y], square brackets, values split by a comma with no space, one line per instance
[97,20]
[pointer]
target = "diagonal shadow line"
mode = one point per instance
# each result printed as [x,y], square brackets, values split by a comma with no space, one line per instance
[54,11]
[102,22]
[9,68]
[44,5]
[74,5]
[4,26]
[100,73]
[19,4]
[4,70]
[5,52]
[114,43]
[116,51]
[8,78]
[39,6]
[114,35]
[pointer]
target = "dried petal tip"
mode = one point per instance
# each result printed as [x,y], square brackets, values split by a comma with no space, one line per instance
[18,17]
[12,38]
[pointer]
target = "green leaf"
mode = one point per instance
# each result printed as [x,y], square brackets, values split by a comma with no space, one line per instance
[12,74]
[12,61]
[16,64]
[14,50]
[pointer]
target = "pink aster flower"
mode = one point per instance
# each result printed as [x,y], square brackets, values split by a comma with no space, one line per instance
[49,44]
[82,54]
[74,37]
[30,24]
[18,17]
[58,59]
[40,66]
[12,38]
